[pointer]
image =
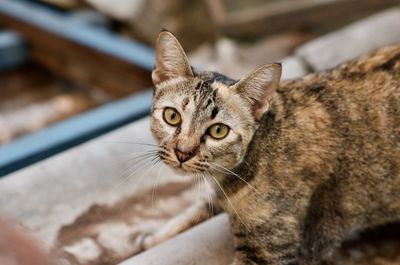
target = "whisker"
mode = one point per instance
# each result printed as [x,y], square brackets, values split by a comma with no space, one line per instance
[197,182]
[155,150]
[150,150]
[125,179]
[155,159]
[142,158]
[137,183]
[136,143]
[229,201]
[154,190]
[198,191]
[210,197]
[234,174]
[148,154]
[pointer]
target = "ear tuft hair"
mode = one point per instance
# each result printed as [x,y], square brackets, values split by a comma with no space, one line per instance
[259,87]
[171,60]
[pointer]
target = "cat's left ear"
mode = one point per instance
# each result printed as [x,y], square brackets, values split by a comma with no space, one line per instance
[171,60]
[259,87]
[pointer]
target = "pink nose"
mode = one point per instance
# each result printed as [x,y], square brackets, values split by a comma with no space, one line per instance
[183,156]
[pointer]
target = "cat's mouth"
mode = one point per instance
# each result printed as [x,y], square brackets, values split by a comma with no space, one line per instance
[194,165]
[186,167]
[181,168]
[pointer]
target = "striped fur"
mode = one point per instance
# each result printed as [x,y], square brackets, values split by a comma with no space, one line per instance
[322,162]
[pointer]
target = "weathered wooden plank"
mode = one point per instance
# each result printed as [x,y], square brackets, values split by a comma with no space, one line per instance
[89,55]
[292,14]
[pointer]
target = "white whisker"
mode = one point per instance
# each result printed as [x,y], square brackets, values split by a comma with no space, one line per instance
[234,174]
[125,179]
[138,181]
[229,201]
[153,194]
[142,158]
[198,190]
[210,195]
[136,143]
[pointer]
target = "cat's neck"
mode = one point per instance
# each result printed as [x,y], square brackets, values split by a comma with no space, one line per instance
[243,174]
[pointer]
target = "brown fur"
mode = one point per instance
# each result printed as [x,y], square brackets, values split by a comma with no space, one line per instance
[331,163]
[321,163]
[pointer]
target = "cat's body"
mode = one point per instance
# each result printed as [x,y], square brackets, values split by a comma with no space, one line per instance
[299,167]
[326,159]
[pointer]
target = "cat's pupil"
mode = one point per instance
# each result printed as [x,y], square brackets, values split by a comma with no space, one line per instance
[218,129]
[173,115]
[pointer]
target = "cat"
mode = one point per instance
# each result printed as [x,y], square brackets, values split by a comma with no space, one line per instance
[298,165]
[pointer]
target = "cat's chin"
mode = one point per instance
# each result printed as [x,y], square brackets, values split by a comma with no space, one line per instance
[182,170]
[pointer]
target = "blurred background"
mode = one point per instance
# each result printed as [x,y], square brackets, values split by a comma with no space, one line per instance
[72,70]
[59,58]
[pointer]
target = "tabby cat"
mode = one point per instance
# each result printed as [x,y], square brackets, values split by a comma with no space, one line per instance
[298,165]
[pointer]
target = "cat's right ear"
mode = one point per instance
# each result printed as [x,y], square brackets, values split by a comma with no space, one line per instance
[259,87]
[171,60]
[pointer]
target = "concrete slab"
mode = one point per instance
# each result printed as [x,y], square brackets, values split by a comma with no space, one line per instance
[76,201]
[208,243]
[354,40]
[293,67]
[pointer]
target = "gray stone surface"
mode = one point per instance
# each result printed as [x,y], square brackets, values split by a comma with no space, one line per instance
[208,243]
[292,67]
[54,193]
[237,61]
[352,41]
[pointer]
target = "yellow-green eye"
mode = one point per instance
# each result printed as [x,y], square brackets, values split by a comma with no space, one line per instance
[218,131]
[172,116]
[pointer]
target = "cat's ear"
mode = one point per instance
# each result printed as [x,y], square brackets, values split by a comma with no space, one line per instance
[259,87]
[171,60]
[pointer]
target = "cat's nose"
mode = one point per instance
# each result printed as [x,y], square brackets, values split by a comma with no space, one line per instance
[183,156]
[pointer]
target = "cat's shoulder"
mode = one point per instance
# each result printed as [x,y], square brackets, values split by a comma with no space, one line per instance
[384,61]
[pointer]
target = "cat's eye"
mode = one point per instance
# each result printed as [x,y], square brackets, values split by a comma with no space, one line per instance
[172,116]
[218,131]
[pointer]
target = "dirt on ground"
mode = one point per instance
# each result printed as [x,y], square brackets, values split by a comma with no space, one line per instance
[105,235]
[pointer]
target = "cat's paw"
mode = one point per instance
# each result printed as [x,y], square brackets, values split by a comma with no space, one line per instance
[145,241]
[142,242]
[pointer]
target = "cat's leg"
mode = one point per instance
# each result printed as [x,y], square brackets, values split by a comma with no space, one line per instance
[275,243]
[335,215]
[326,225]
[195,214]
[320,240]
[273,237]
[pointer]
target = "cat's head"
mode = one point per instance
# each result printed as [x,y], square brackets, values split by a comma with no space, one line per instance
[205,120]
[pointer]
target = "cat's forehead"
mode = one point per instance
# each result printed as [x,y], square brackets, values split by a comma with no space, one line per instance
[184,91]
[203,101]
[205,106]
[197,100]
[203,84]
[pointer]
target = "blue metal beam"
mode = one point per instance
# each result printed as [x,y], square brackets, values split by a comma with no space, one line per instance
[12,50]
[56,138]
[63,135]
[96,38]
